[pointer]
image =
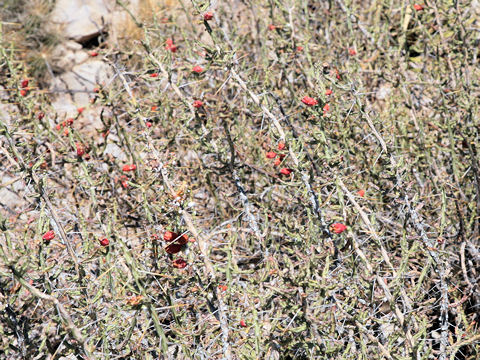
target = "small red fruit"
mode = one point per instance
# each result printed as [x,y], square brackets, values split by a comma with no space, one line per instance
[179,263]
[23,92]
[361,193]
[154,75]
[271,27]
[337,74]
[197,104]
[80,110]
[154,108]
[182,240]
[170,46]
[80,149]
[352,51]
[281,146]
[338,228]
[285,171]
[328,92]
[208,16]
[24,83]
[223,287]
[49,235]
[40,115]
[307,100]
[277,161]
[169,236]
[104,242]
[173,248]
[299,48]
[271,155]
[148,124]
[131,167]
[93,53]
[197,69]
[242,323]
[418,7]
[326,109]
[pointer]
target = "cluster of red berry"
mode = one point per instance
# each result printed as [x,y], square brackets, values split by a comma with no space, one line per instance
[279,158]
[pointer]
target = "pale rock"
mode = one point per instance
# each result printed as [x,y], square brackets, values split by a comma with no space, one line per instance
[81,20]
[65,56]
[82,79]
[383,92]
[116,151]
[7,110]
[10,195]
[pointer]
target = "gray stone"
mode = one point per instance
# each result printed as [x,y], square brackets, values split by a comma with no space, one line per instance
[116,151]
[81,20]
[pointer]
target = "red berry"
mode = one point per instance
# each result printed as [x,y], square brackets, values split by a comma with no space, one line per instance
[148,124]
[352,51]
[208,16]
[80,149]
[242,323]
[197,69]
[24,83]
[418,7]
[104,242]
[361,193]
[328,92]
[197,104]
[154,108]
[299,48]
[40,115]
[154,75]
[170,46]
[23,92]
[271,27]
[93,53]
[173,248]
[80,110]
[281,146]
[182,240]
[326,109]
[49,235]
[286,171]
[179,263]
[307,100]
[131,167]
[169,236]
[277,161]
[338,228]
[271,155]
